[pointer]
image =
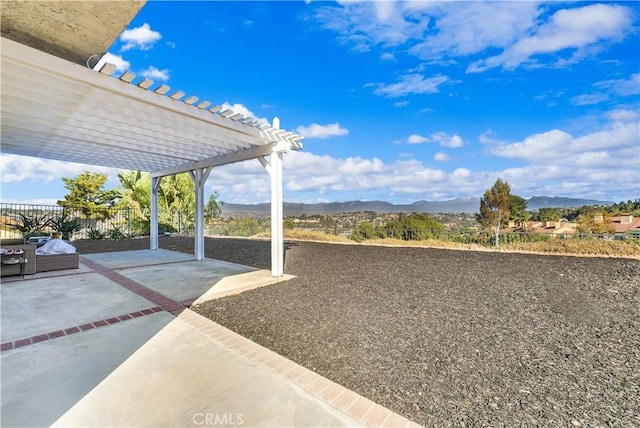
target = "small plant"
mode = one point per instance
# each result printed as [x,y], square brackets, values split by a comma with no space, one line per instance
[65,225]
[30,225]
[116,233]
[95,234]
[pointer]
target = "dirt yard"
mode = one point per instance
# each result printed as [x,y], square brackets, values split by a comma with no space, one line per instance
[445,337]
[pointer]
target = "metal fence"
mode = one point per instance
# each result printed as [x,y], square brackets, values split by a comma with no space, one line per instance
[486,238]
[23,220]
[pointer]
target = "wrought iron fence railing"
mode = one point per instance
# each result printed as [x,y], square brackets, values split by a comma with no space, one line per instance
[24,220]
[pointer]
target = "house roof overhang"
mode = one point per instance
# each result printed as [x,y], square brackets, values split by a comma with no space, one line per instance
[52,108]
[78,31]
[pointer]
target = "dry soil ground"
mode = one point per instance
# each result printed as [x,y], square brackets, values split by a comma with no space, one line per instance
[448,337]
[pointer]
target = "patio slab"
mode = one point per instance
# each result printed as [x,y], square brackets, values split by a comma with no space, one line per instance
[41,382]
[126,259]
[180,377]
[44,305]
[185,280]
[163,365]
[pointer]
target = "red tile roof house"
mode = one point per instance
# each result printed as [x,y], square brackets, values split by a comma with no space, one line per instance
[555,228]
[626,224]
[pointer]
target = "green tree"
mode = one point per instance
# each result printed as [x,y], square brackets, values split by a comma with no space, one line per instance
[518,208]
[176,200]
[595,222]
[364,230]
[87,195]
[494,208]
[411,227]
[136,197]
[548,214]
[213,209]
[136,190]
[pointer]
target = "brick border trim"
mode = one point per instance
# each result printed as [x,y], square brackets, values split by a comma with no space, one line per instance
[14,344]
[153,296]
[355,406]
[161,302]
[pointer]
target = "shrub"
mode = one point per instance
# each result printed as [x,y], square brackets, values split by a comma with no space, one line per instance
[116,233]
[65,225]
[95,234]
[30,225]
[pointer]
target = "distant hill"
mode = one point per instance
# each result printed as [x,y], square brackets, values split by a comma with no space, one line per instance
[458,205]
[537,202]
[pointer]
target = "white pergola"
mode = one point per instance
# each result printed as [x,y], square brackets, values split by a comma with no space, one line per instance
[55,109]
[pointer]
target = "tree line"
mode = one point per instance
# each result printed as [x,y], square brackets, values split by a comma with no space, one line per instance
[87,195]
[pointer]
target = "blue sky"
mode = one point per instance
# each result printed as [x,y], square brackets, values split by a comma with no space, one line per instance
[399,101]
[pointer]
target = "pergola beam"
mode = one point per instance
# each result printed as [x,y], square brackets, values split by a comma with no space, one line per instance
[239,156]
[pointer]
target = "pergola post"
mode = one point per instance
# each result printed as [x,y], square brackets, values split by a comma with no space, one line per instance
[277,233]
[153,231]
[274,168]
[199,177]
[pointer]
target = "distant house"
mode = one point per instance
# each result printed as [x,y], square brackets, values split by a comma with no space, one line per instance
[554,228]
[626,224]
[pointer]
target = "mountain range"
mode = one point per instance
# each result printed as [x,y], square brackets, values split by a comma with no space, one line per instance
[458,205]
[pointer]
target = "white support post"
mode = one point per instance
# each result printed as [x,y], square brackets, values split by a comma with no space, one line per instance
[274,168]
[153,230]
[277,234]
[199,177]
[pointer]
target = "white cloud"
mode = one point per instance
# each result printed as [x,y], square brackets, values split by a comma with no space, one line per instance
[568,29]
[364,24]
[401,104]
[417,139]
[556,146]
[446,140]
[387,56]
[589,99]
[622,87]
[142,38]
[19,168]
[322,131]
[622,115]
[441,157]
[240,108]
[468,28]
[411,84]
[619,87]
[34,201]
[441,31]
[155,74]
[545,145]
[441,138]
[120,63]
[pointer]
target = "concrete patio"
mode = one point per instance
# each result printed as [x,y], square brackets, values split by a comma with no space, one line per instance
[112,344]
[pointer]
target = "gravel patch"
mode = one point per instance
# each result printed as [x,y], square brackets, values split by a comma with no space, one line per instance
[451,338]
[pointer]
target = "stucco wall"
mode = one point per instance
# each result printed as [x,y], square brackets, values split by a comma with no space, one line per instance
[73,30]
